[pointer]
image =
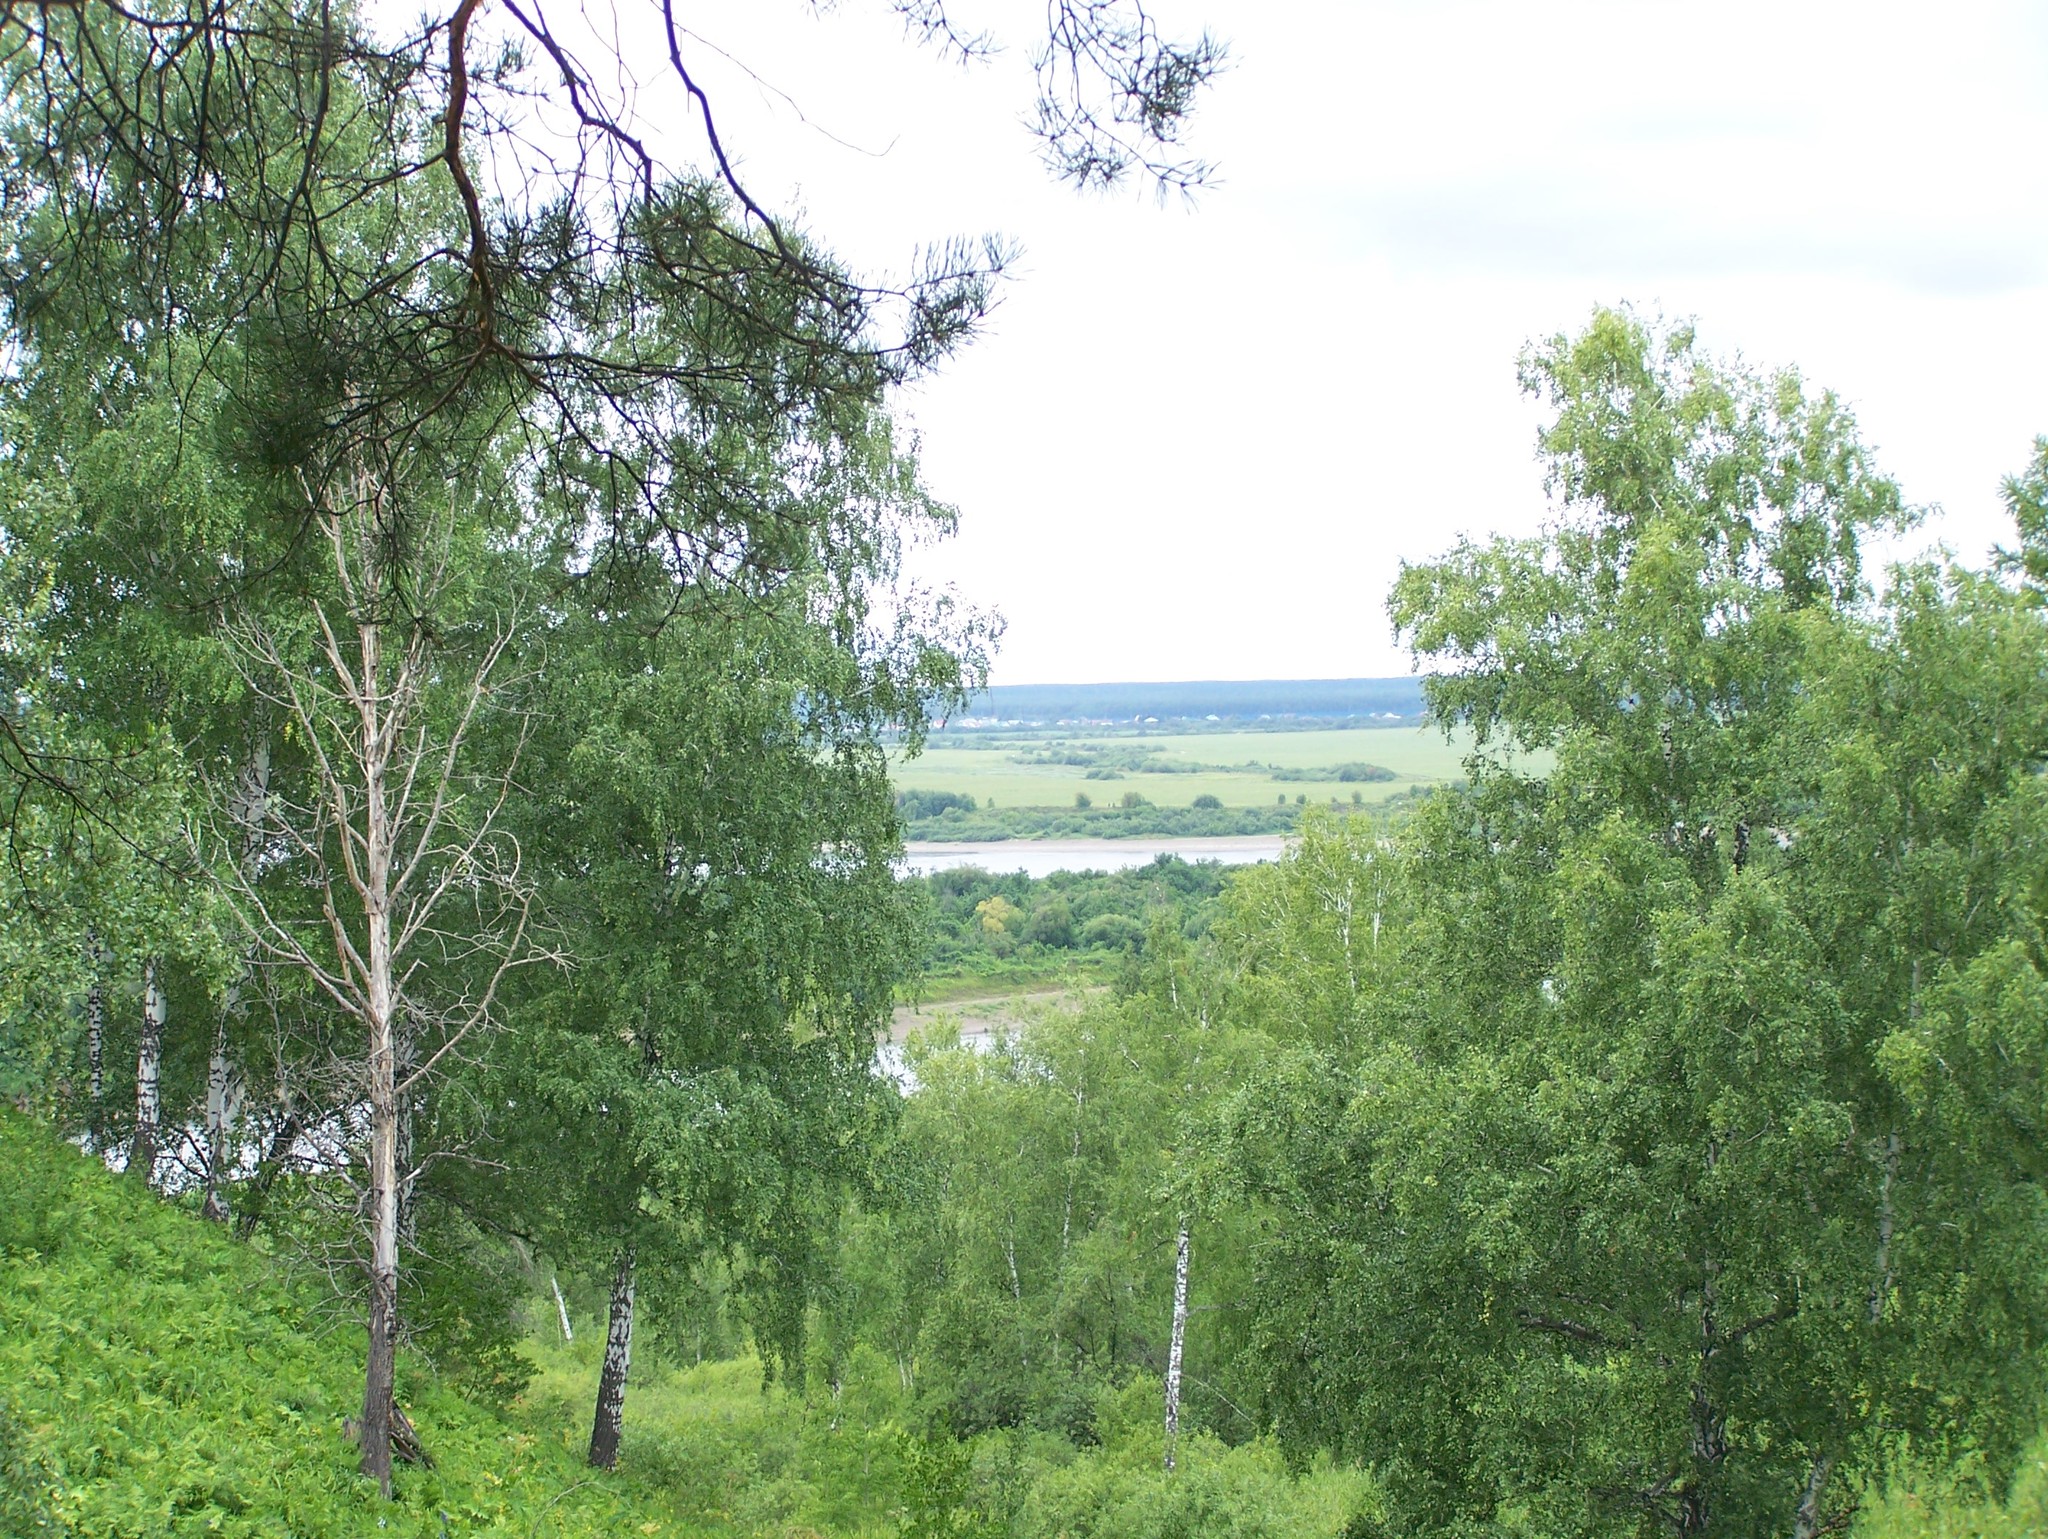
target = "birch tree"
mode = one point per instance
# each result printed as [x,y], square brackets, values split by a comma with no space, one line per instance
[715,827]
[1656,1185]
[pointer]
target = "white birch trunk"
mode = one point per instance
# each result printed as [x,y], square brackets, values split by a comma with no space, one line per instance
[605,1426]
[149,1067]
[1881,1284]
[220,1121]
[1176,1345]
[96,1041]
[561,1308]
[1806,1524]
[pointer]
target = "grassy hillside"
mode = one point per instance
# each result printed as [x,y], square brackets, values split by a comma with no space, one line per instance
[156,1378]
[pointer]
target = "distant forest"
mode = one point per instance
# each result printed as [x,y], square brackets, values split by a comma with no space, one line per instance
[1254,700]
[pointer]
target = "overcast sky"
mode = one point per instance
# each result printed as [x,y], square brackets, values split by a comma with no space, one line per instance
[1198,442]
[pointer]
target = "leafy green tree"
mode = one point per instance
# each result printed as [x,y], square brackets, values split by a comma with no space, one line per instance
[198,169]
[1034,1248]
[127,681]
[2026,499]
[711,806]
[1639,1192]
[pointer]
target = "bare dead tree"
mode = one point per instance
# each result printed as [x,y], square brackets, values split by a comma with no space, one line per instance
[418,908]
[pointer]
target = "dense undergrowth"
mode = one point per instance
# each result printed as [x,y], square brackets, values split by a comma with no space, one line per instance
[159,1379]
[743,1461]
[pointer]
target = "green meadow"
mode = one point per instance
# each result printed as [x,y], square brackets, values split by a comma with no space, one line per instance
[1238,768]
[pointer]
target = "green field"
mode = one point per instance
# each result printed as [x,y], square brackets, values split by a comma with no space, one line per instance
[990,772]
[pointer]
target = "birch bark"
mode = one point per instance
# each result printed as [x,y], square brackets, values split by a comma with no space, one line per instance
[562,1309]
[1176,1345]
[220,1118]
[249,809]
[1806,1524]
[149,1064]
[96,1041]
[618,1362]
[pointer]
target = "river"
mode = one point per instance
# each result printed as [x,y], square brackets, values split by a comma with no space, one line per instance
[1042,857]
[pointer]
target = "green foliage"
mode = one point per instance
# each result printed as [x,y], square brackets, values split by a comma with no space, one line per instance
[938,1492]
[1346,773]
[841,1458]
[2026,500]
[466,1309]
[1065,917]
[918,805]
[1652,1090]
[160,1380]
[25,1481]
[1937,1508]
[1141,820]
[1019,1267]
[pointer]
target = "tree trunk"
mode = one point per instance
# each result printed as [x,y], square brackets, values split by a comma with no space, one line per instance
[220,1121]
[375,890]
[223,1093]
[149,1066]
[618,1361]
[1177,1343]
[562,1309]
[256,1192]
[1806,1523]
[96,1043]
[382,1366]
[1881,1283]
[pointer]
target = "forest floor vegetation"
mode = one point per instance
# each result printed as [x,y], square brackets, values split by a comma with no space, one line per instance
[158,1379]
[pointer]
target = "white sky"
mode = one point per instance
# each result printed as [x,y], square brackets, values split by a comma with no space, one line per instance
[1197,443]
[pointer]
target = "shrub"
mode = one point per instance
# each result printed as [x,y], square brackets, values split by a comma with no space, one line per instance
[1051,924]
[917,805]
[1111,932]
[1208,802]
